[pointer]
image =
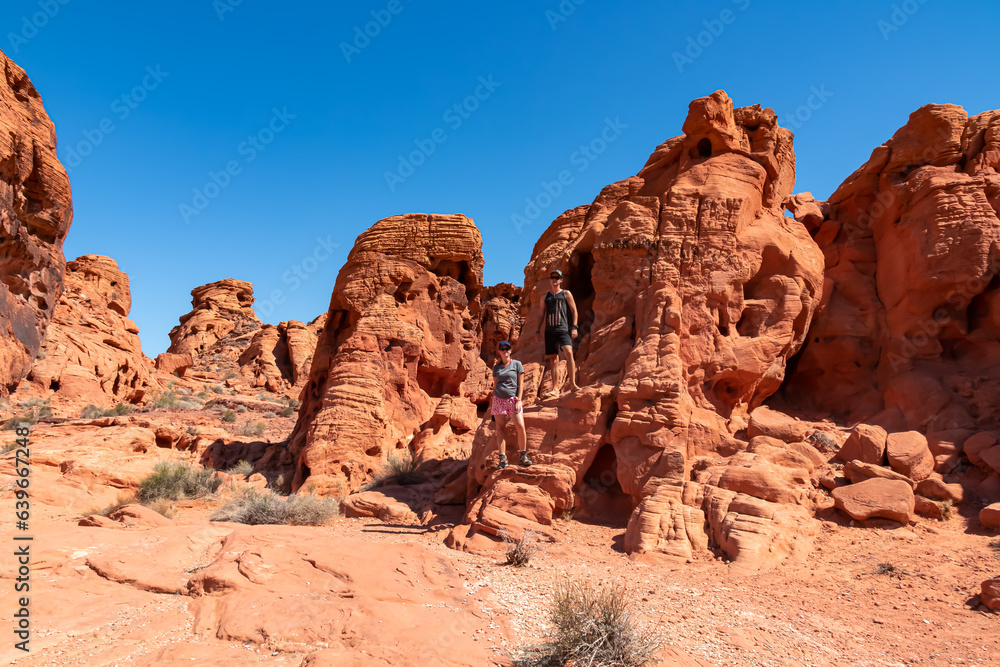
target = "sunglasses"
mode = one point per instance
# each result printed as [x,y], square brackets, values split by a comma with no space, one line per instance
[505,349]
[555,277]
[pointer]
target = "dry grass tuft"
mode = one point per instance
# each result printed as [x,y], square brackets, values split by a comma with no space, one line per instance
[594,627]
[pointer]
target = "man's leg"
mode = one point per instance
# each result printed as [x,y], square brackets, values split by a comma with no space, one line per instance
[552,367]
[567,354]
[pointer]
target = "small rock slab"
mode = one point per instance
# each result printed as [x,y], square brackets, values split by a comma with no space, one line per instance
[909,454]
[876,498]
[989,516]
[866,443]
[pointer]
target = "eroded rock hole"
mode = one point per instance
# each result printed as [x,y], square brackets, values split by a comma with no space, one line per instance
[579,281]
[705,148]
[601,495]
[402,292]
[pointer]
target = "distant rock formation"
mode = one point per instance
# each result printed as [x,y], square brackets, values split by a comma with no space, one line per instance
[694,292]
[36,210]
[403,333]
[279,357]
[220,310]
[92,352]
[908,333]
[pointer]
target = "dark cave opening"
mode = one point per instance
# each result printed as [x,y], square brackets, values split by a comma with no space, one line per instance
[602,498]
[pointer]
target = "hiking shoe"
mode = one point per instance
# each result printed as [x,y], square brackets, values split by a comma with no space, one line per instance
[525,461]
[502,463]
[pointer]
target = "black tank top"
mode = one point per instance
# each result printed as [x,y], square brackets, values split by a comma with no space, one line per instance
[556,311]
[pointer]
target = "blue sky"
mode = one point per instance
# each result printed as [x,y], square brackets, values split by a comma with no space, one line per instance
[243,139]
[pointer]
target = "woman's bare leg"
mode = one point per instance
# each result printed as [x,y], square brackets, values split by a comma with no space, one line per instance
[501,426]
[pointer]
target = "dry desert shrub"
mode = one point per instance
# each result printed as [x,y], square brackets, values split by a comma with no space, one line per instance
[251,429]
[242,467]
[399,467]
[520,552]
[229,416]
[255,507]
[122,500]
[174,481]
[594,627]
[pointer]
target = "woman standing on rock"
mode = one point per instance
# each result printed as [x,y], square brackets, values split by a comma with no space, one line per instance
[508,386]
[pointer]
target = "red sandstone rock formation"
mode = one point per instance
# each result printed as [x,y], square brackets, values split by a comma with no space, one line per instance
[35,214]
[92,352]
[403,333]
[693,291]
[908,333]
[279,357]
[220,310]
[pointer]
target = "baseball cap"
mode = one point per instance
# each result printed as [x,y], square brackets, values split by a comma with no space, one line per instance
[555,272]
[504,344]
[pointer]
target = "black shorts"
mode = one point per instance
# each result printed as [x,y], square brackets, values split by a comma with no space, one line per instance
[554,340]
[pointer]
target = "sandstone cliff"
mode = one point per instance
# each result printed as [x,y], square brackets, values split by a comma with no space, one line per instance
[908,333]
[92,353]
[35,214]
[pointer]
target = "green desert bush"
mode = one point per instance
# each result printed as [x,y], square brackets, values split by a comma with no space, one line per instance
[91,412]
[120,410]
[229,416]
[254,507]
[174,481]
[595,627]
[167,399]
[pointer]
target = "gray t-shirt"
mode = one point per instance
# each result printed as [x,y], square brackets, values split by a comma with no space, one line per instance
[506,377]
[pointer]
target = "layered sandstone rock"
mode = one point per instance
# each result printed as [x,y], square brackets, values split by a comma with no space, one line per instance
[278,357]
[220,310]
[403,332]
[908,334]
[35,214]
[694,291]
[92,352]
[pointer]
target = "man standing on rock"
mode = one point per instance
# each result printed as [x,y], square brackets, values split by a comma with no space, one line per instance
[559,316]
[507,389]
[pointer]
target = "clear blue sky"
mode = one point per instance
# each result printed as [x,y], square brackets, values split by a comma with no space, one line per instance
[221,75]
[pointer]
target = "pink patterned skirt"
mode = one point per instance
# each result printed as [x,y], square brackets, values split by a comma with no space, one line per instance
[506,406]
